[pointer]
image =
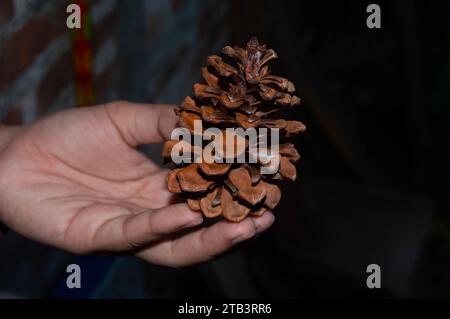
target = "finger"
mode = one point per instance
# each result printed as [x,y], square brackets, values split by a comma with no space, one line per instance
[155,194]
[262,223]
[142,123]
[130,231]
[206,243]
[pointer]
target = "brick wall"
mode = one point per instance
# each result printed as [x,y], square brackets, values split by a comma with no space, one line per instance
[143,50]
[36,66]
[171,40]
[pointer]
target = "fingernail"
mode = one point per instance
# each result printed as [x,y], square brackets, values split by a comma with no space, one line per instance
[271,221]
[195,222]
[242,238]
[266,225]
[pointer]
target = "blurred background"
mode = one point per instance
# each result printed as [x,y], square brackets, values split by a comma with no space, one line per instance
[374,180]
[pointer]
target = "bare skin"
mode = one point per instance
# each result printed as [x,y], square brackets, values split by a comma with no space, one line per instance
[74,180]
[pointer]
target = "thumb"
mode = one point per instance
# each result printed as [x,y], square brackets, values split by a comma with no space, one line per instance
[142,123]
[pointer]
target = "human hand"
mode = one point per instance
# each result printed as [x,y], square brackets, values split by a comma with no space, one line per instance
[75,180]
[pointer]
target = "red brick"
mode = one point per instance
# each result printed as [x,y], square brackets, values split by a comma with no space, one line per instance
[56,78]
[93,3]
[104,29]
[23,47]
[205,21]
[102,83]
[6,10]
[155,26]
[13,117]
[176,4]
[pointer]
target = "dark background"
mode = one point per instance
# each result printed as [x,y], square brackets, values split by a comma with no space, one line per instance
[374,180]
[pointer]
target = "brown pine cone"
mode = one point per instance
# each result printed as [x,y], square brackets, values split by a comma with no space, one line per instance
[244,95]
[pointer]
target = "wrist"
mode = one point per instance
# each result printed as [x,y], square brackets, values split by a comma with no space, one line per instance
[6,135]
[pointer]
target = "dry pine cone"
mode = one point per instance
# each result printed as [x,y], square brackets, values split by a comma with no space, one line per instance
[245,95]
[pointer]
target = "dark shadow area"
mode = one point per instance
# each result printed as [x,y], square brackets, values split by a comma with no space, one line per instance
[374,178]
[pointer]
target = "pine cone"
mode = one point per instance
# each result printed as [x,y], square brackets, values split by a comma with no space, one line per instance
[245,95]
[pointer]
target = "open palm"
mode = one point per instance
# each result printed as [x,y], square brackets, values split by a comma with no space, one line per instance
[75,180]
